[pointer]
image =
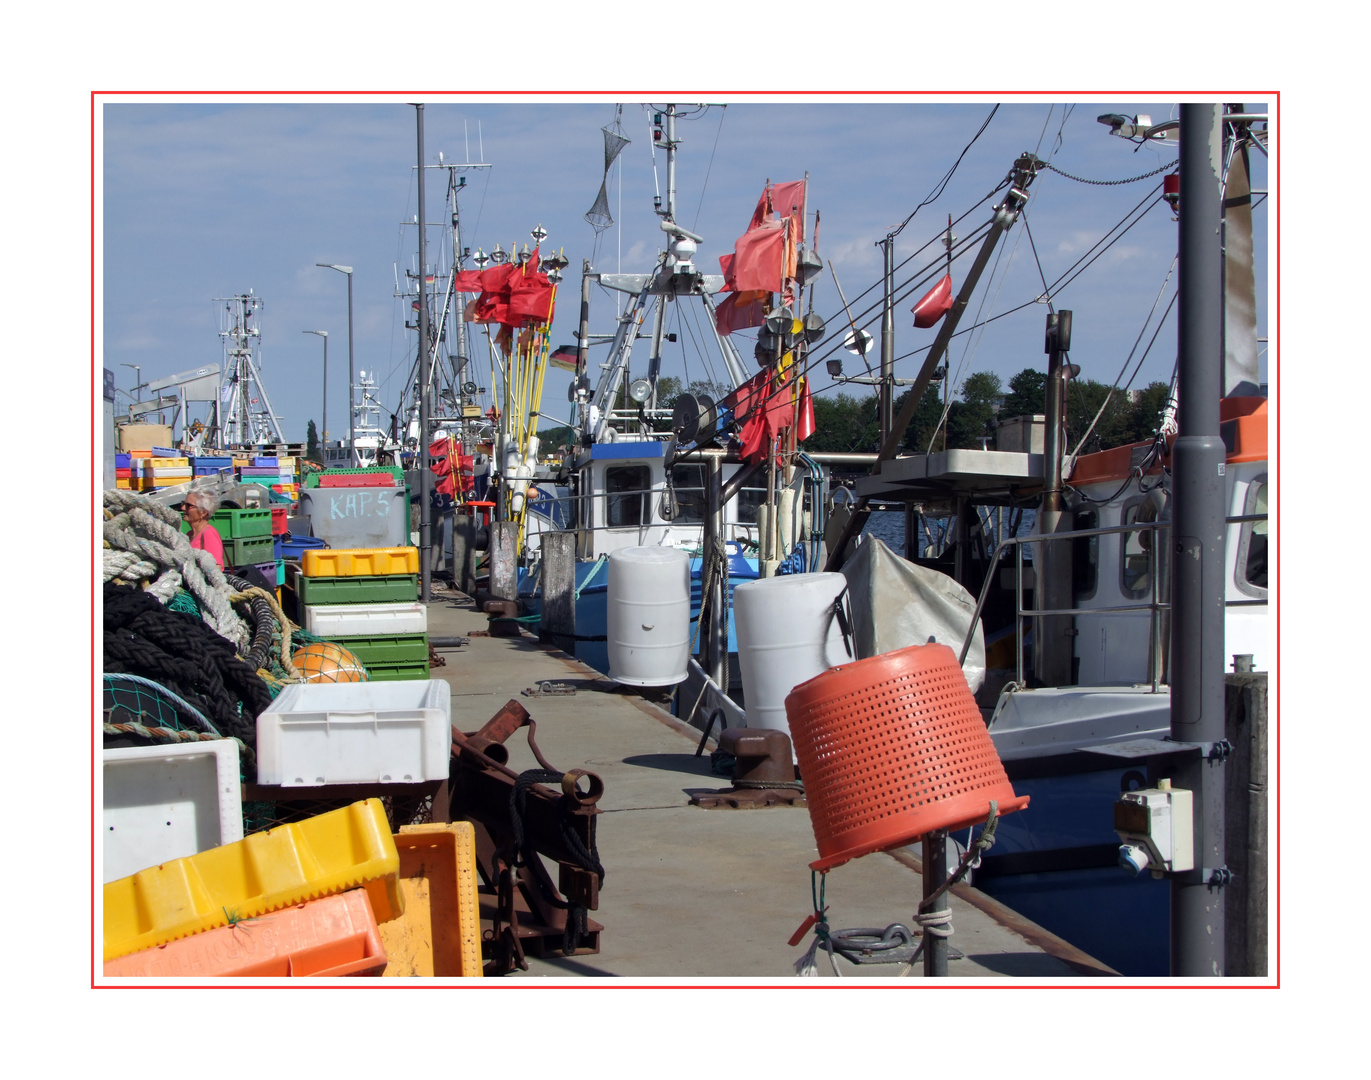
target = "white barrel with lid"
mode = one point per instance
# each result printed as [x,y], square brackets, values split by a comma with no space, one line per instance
[787,634]
[648,615]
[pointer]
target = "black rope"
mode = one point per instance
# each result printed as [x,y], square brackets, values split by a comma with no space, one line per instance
[141,637]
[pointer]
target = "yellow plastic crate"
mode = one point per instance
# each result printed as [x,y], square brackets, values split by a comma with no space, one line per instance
[360,562]
[340,850]
[123,482]
[439,935]
[166,463]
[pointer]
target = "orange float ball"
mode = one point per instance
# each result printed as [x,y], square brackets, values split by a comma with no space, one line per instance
[325,661]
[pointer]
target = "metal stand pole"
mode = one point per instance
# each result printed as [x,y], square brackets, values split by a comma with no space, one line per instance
[934,874]
[1197,591]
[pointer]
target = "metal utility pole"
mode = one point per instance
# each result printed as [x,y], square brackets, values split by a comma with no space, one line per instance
[425,372]
[1197,592]
[1052,641]
[887,395]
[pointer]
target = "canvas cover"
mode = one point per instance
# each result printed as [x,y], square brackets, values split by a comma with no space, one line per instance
[896,603]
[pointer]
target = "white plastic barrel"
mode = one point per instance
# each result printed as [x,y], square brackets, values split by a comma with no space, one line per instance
[787,634]
[649,615]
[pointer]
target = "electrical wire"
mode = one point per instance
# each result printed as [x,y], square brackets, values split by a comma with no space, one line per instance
[942,184]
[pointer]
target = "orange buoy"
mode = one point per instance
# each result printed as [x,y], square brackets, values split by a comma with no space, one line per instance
[890,748]
[325,661]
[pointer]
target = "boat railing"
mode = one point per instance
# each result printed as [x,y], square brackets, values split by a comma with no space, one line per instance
[1153,604]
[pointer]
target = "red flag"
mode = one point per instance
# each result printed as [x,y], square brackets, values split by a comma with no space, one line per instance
[468,281]
[804,425]
[726,266]
[739,311]
[760,258]
[936,303]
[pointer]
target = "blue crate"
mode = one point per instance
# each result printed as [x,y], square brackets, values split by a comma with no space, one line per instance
[121,461]
[263,462]
[294,547]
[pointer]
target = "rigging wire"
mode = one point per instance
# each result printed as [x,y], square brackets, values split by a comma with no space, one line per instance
[1138,366]
[942,184]
[709,167]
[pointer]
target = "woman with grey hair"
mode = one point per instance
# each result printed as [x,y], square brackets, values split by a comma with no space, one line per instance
[197,508]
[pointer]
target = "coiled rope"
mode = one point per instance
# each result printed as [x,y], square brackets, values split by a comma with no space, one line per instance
[144,545]
[182,653]
[933,924]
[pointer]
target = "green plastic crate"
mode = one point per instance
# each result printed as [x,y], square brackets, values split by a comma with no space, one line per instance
[312,478]
[387,650]
[387,589]
[395,672]
[254,550]
[235,524]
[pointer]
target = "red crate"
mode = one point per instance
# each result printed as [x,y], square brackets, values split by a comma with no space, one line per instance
[370,479]
[278,521]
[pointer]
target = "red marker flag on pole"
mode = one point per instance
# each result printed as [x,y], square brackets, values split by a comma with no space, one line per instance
[936,303]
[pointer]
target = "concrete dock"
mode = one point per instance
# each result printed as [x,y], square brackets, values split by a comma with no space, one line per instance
[691,894]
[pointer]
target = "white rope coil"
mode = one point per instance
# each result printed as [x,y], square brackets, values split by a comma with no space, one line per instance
[143,538]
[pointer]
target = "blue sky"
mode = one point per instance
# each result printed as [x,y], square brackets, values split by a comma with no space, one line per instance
[202,200]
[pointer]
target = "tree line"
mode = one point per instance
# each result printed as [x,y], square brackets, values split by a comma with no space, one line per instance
[845,423]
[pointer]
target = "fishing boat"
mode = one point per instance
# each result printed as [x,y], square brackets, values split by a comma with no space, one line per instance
[701,477]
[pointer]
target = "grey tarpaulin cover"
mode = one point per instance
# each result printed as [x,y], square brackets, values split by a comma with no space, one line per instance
[896,603]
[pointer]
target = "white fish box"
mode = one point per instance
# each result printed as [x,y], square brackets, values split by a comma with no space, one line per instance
[365,620]
[166,802]
[316,734]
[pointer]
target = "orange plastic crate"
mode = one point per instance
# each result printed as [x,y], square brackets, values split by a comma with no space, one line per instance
[330,937]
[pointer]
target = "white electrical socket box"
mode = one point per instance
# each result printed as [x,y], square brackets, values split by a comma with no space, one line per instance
[1156,829]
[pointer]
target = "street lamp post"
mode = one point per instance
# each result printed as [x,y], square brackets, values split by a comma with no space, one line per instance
[352,441]
[138,379]
[324,434]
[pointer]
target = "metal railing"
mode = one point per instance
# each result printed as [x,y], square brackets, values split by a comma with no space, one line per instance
[1153,604]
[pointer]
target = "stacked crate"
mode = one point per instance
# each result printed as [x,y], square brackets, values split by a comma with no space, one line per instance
[158,468]
[248,541]
[367,600]
[287,484]
[123,471]
[210,465]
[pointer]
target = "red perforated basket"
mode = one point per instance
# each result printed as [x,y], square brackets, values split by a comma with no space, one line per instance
[890,748]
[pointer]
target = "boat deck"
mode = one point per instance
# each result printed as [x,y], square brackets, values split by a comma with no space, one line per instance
[693,894]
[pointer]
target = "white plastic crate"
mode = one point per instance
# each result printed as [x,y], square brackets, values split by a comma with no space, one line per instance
[165,802]
[356,733]
[365,620]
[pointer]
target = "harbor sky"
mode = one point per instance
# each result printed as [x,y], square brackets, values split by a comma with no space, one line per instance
[200,200]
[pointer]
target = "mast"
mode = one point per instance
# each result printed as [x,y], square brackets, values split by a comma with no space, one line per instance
[425,370]
[245,414]
[1005,215]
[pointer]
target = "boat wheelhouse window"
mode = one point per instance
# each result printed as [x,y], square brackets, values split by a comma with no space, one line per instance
[749,499]
[1085,557]
[688,483]
[626,495]
[1135,558]
[1252,542]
